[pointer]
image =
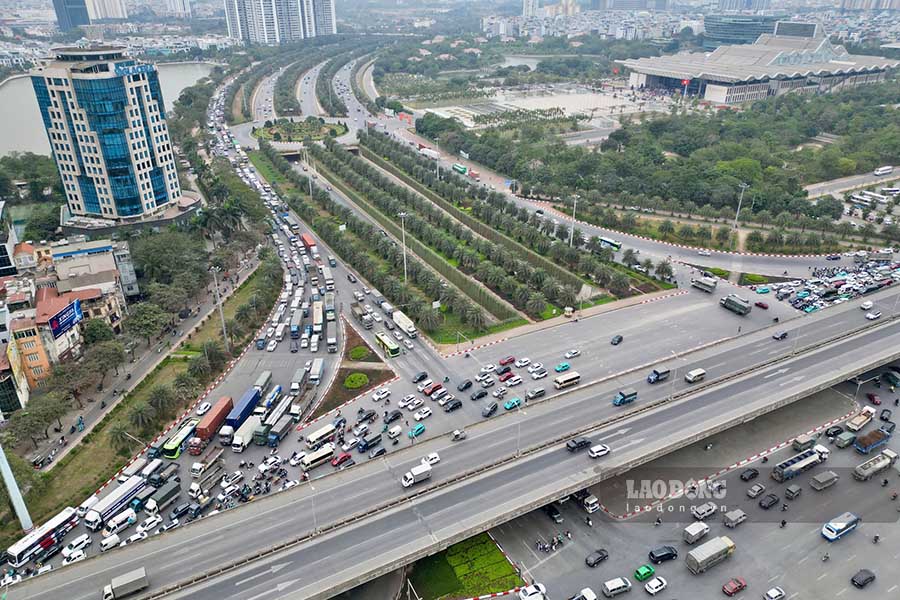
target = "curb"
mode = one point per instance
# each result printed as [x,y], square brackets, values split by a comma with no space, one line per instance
[681,292]
[740,463]
[472,349]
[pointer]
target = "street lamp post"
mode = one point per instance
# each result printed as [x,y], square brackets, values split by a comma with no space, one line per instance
[214,271]
[403,216]
[737,214]
[572,231]
[15,495]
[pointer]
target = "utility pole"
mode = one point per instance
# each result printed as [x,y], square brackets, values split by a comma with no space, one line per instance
[403,216]
[743,186]
[15,495]
[215,270]
[572,231]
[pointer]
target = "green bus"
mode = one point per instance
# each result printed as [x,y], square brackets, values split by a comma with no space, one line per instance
[460,168]
[387,344]
[178,442]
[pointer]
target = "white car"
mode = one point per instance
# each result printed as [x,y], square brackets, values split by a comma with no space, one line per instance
[272,345]
[203,409]
[295,460]
[513,381]
[431,459]
[231,490]
[360,429]
[873,315]
[422,385]
[74,557]
[289,484]
[655,586]
[533,592]
[535,367]
[445,399]
[415,404]
[398,336]
[489,368]
[522,362]
[422,413]
[482,377]
[270,332]
[350,444]
[232,479]
[573,353]
[79,543]
[135,538]
[407,400]
[704,252]
[269,463]
[539,374]
[377,317]
[867,305]
[381,394]
[488,382]
[776,593]
[10,579]
[500,392]
[150,523]
[408,344]
[598,451]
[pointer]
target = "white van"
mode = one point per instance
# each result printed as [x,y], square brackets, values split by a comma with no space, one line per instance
[616,586]
[151,468]
[87,505]
[695,375]
[394,432]
[314,343]
[694,532]
[120,522]
[109,542]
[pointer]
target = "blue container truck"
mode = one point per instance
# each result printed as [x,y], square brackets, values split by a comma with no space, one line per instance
[243,408]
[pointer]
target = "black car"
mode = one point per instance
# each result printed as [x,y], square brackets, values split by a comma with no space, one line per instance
[420,376]
[554,514]
[464,385]
[504,370]
[453,405]
[479,395]
[833,257]
[862,578]
[749,475]
[616,340]
[180,510]
[768,501]
[489,410]
[885,414]
[834,431]
[377,452]
[351,278]
[579,443]
[368,416]
[662,554]
[596,557]
[392,416]
[779,335]
[295,346]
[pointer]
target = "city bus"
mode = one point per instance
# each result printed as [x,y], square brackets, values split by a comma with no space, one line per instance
[462,170]
[389,346]
[566,379]
[840,526]
[319,457]
[50,533]
[279,332]
[317,438]
[610,243]
[178,442]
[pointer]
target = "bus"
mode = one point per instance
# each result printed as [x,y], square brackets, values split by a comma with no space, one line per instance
[389,346]
[178,442]
[840,526]
[318,316]
[320,436]
[566,380]
[296,322]
[50,533]
[319,457]
[460,169]
[279,332]
[610,243]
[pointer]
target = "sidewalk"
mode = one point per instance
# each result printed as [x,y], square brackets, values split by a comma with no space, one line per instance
[143,364]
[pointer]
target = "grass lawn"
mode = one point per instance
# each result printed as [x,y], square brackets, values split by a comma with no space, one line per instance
[447,332]
[470,568]
[722,273]
[265,168]
[212,328]
[285,130]
[338,394]
[752,279]
[354,340]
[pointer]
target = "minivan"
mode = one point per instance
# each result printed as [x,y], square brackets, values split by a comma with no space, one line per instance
[695,375]
[109,542]
[120,522]
[87,505]
[489,410]
[704,511]
[616,586]
[535,393]
[394,432]
[180,510]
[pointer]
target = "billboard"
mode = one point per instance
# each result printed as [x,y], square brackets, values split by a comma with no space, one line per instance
[65,319]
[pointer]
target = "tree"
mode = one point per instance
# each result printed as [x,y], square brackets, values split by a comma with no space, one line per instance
[26,424]
[666,227]
[648,265]
[536,304]
[199,368]
[119,436]
[162,397]
[104,356]
[723,234]
[475,317]
[429,319]
[146,320]
[664,270]
[71,379]
[619,285]
[96,330]
[629,257]
[142,414]
[185,386]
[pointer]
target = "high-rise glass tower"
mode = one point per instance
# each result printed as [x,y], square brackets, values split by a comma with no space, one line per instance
[106,122]
[275,22]
[71,14]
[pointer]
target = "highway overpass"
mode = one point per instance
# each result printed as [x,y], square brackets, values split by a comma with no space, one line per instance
[350,527]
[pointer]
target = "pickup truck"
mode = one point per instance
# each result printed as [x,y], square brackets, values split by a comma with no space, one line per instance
[862,419]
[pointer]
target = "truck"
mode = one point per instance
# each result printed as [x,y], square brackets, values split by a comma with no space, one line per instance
[244,434]
[280,430]
[331,337]
[625,396]
[474,175]
[404,323]
[125,585]
[360,315]
[803,442]
[296,324]
[823,480]
[461,169]
[316,371]
[329,306]
[418,473]
[736,304]
[160,477]
[864,444]
[318,316]
[734,518]
[387,308]
[862,419]
[873,466]
[261,434]
[263,382]
[309,243]
[297,381]
[213,475]
[799,463]
[140,500]
[114,502]
[279,411]
[163,497]
[210,424]
[328,282]
[707,284]
[199,468]
[709,554]
[429,153]
[243,408]
[197,507]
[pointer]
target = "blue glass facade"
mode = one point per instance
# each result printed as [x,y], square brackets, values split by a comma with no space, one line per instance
[71,14]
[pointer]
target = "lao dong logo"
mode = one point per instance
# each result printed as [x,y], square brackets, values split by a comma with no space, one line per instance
[661,489]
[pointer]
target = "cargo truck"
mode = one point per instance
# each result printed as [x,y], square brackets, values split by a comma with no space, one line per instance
[280,430]
[114,502]
[429,153]
[823,480]
[873,466]
[626,396]
[331,337]
[161,477]
[210,424]
[736,304]
[329,299]
[800,462]
[709,554]
[140,500]
[243,408]
[163,497]
[213,475]
[261,434]
[707,284]
[404,323]
[297,381]
[125,585]
[197,507]
[316,371]
[862,419]
[864,444]
[199,468]
[418,473]
[360,315]
[244,435]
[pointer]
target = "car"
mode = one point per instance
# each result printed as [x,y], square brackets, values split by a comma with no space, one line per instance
[478,395]
[874,398]
[269,463]
[616,340]
[867,305]
[488,368]
[504,370]
[734,585]
[420,376]
[756,490]
[464,385]
[392,416]
[573,353]
[749,474]
[512,403]
[873,315]
[762,290]
[489,382]
[833,257]
[579,443]
[422,413]
[295,460]
[489,410]
[507,361]
[506,376]
[596,557]
[272,345]
[350,444]
[522,362]
[452,405]
[417,430]
[644,572]
[432,458]
[408,344]
[367,416]
[533,592]
[231,479]
[768,501]
[423,385]
[482,377]
[381,394]
[553,512]
[341,459]
[150,523]
[535,393]
[406,401]
[761,305]
[535,367]
[776,593]
[513,381]
[74,557]
[862,578]
[704,253]
[834,431]
[351,277]
[415,404]
[500,392]
[10,579]
[655,586]
[340,422]
[885,414]
[539,374]
[779,335]
[137,537]
[203,409]
[662,554]
[380,451]
[79,543]
[562,367]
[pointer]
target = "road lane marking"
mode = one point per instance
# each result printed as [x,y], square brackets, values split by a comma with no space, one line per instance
[822,576]
[773,578]
[892,588]
[851,558]
[841,592]
[802,560]
[777,373]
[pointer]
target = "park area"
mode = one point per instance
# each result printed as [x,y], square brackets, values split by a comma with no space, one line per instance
[289,130]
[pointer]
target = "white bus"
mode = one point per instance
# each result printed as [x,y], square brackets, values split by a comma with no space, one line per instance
[319,457]
[883,171]
[279,332]
[317,438]
[840,526]
[567,379]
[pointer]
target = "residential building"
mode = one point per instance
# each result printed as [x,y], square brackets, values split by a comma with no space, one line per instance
[106,10]
[106,123]
[323,15]
[27,352]
[236,19]
[529,8]
[71,14]
[8,241]
[728,30]
[745,5]
[276,22]
[180,9]
[14,392]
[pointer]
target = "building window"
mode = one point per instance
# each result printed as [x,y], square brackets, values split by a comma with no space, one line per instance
[37,370]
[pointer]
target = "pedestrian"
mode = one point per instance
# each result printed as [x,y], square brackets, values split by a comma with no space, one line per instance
[407,422]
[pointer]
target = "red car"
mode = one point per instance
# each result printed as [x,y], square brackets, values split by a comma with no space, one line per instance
[507,361]
[734,585]
[506,376]
[431,389]
[762,305]
[874,399]
[340,459]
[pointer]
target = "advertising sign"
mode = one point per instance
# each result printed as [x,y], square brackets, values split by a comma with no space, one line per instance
[65,319]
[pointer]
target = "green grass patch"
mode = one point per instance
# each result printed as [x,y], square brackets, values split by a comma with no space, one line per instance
[338,394]
[446,333]
[212,327]
[550,311]
[722,273]
[354,381]
[359,352]
[752,279]
[265,168]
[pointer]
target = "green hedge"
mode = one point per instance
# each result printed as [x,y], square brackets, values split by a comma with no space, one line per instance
[355,381]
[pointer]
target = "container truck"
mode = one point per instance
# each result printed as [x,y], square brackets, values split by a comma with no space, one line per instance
[873,466]
[361,316]
[862,419]
[243,408]
[418,473]
[316,371]
[125,585]
[280,430]
[864,444]
[244,434]
[736,304]
[296,324]
[261,434]
[707,284]
[297,381]
[309,243]
[163,497]
[331,337]
[199,468]
[114,502]
[800,462]
[387,308]
[404,323]
[210,424]
[474,174]
[709,554]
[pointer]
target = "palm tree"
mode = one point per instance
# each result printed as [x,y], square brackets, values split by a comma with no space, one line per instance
[664,270]
[536,304]
[475,317]
[185,386]
[647,264]
[666,227]
[162,397]
[119,436]
[429,320]
[566,296]
[141,414]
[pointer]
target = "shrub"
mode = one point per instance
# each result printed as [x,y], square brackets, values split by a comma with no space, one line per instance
[355,381]
[359,353]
